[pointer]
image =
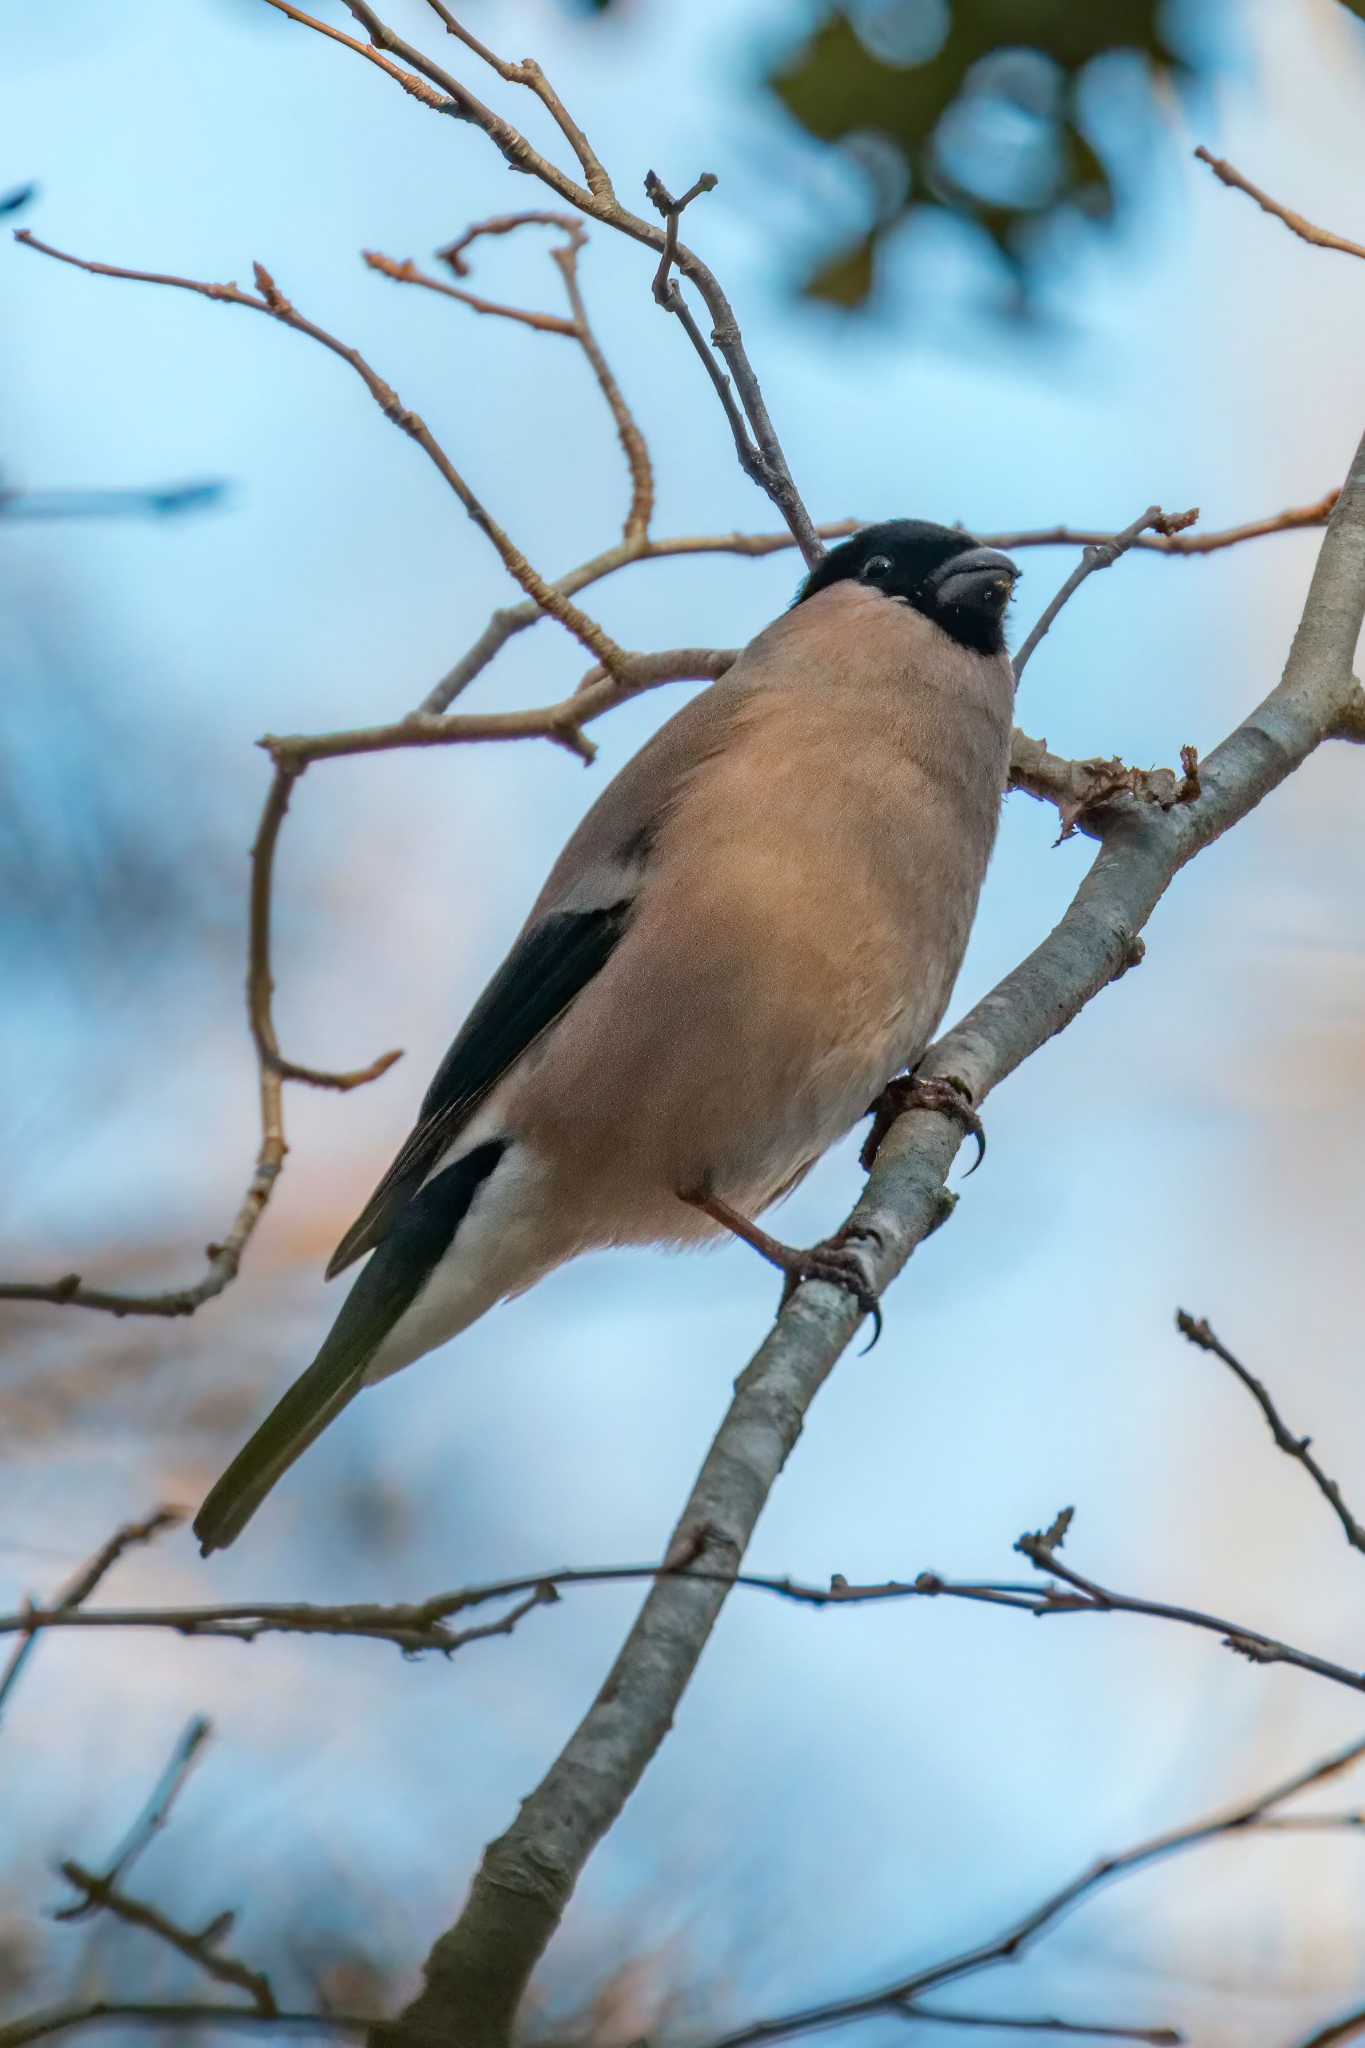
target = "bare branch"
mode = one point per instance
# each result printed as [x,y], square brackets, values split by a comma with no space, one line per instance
[1295,222]
[1089,1597]
[1102,555]
[102,2012]
[1081,788]
[272,302]
[529,73]
[1162,2037]
[224,1260]
[1337,2032]
[903,1995]
[668,294]
[1292,520]
[596,200]
[260,984]
[407,272]
[560,722]
[160,501]
[99,1894]
[578,328]
[421,1625]
[79,1588]
[1297,1447]
[480,1967]
[516,618]
[155,1813]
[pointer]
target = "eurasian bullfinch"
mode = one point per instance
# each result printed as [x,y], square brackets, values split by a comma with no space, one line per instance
[755,928]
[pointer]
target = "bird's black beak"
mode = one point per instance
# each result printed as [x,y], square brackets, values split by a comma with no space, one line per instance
[979,578]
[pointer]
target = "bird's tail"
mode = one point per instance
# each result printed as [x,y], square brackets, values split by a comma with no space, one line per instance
[385,1289]
[315,1398]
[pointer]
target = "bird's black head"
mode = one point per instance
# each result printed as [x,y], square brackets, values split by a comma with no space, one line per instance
[938,570]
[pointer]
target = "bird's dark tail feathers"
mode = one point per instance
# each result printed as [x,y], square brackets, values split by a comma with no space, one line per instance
[386,1287]
[311,1403]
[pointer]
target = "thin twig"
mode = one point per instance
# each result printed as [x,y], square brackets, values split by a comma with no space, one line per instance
[273,1069]
[1041,1549]
[512,619]
[101,2012]
[272,302]
[161,501]
[562,723]
[596,199]
[156,1811]
[529,73]
[407,272]
[1101,555]
[1007,1947]
[82,1585]
[260,983]
[578,328]
[421,1625]
[668,294]
[1321,238]
[1296,1447]
[1161,2037]
[100,1895]
[1291,520]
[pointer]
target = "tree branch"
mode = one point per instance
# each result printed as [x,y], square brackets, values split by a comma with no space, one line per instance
[1295,222]
[272,302]
[479,1968]
[79,1588]
[560,722]
[1162,2037]
[577,327]
[1101,555]
[160,502]
[225,1259]
[903,1995]
[1080,788]
[417,1626]
[156,1811]
[100,1895]
[513,619]
[68,2019]
[597,200]
[1297,1447]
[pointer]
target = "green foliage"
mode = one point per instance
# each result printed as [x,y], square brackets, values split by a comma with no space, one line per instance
[987,124]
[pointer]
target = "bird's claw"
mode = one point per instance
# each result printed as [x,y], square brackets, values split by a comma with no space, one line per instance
[948,1097]
[842,1265]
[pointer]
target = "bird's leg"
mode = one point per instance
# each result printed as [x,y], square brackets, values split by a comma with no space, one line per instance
[907,1091]
[835,1259]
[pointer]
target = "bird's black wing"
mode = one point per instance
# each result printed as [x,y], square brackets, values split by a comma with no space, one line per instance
[549,965]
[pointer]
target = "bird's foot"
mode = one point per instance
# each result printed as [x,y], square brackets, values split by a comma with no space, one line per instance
[840,1262]
[835,1259]
[949,1097]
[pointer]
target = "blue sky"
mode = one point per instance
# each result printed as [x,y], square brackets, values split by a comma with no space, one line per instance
[1194,1138]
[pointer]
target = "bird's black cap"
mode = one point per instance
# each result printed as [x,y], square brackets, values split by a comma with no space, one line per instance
[940,571]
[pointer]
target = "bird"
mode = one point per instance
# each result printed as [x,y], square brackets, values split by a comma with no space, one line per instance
[743,950]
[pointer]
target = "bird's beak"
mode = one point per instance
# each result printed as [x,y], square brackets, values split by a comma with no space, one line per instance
[980,576]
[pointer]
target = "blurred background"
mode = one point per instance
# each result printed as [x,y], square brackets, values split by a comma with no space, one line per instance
[982,279]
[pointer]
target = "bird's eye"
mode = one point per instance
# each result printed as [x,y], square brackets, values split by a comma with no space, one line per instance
[877,568]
